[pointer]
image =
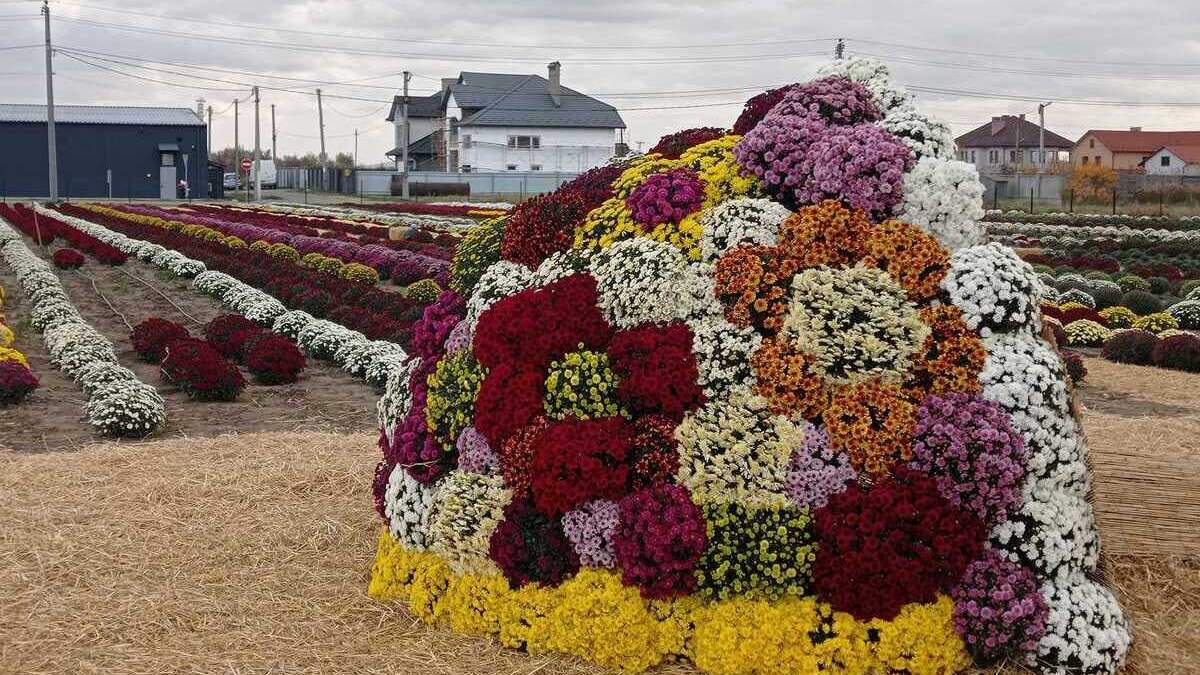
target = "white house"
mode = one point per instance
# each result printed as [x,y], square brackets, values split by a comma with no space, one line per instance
[1174,160]
[502,122]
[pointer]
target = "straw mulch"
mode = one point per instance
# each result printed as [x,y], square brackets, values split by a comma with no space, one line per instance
[249,554]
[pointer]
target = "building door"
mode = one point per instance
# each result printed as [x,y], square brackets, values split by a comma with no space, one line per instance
[167,184]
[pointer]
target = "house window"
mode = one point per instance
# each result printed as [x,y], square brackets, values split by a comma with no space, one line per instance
[466,140]
[535,167]
[511,167]
[1084,159]
[525,142]
[972,156]
[1097,160]
[993,156]
[1091,142]
[1165,160]
[166,159]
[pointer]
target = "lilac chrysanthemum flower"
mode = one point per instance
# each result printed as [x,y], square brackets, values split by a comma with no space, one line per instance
[967,444]
[816,471]
[474,453]
[590,528]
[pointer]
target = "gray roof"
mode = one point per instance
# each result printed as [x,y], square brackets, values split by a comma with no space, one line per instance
[418,106]
[523,100]
[101,114]
[1009,131]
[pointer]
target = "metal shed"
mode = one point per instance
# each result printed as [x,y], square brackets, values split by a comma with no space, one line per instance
[105,151]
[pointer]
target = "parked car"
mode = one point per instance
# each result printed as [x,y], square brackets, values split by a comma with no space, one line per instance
[230,181]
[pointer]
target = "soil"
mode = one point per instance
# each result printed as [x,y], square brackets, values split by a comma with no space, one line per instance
[113,299]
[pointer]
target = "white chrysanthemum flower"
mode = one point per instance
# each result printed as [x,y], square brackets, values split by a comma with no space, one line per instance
[995,289]
[469,508]
[735,450]
[745,220]
[396,401]
[1086,630]
[501,280]
[645,281]
[723,353]
[407,503]
[945,198]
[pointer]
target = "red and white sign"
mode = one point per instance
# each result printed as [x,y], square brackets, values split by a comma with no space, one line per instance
[246,164]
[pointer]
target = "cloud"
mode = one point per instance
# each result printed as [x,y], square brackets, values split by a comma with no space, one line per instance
[1113,50]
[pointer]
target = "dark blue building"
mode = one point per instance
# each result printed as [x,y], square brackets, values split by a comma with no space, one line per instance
[104,151]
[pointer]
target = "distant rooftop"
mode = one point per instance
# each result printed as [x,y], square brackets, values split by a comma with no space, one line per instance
[101,114]
[1009,131]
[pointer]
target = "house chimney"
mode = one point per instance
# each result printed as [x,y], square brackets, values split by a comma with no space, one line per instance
[997,125]
[554,86]
[200,107]
[447,81]
[1135,128]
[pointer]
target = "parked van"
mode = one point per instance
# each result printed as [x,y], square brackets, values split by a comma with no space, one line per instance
[266,172]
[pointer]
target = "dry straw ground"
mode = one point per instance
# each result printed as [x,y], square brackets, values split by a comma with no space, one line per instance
[249,554]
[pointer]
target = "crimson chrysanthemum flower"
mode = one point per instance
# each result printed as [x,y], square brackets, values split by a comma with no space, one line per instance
[199,370]
[273,359]
[575,461]
[673,145]
[228,333]
[531,547]
[657,368]
[150,338]
[895,542]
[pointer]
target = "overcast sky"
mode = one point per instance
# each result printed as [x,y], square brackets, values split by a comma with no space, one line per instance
[633,54]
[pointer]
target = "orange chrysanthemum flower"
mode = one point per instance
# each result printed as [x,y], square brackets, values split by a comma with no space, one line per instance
[784,379]
[951,358]
[873,423]
[909,255]
[826,233]
[753,284]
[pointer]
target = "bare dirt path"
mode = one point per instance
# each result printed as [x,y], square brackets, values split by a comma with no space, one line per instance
[324,399]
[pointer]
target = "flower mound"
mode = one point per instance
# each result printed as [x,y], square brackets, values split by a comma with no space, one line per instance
[200,371]
[274,359]
[151,337]
[765,400]
[68,259]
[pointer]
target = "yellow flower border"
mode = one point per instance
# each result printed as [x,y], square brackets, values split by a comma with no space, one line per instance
[594,616]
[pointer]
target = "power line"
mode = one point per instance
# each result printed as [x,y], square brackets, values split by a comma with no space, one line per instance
[3,49]
[1021,57]
[308,48]
[1013,71]
[139,77]
[457,43]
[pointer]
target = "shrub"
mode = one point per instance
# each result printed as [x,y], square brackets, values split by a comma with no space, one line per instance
[1159,285]
[200,371]
[1188,287]
[359,273]
[1130,346]
[1180,352]
[479,249]
[1118,317]
[283,252]
[1073,361]
[1078,296]
[229,333]
[425,291]
[150,338]
[315,301]
[1067,282]
[1086,333]
[1092,180]
[1141,302]
[1073,314]
[1156,323]
[673,145]
[1187,313]
[67,259]
[1106,293]
[1131,282]
[273,359]
[16,382]
[1097,275]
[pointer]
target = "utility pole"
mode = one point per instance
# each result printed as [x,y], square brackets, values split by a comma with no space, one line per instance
[321,125]
[51,138]
[1042,134]
[237,149]
[257,153]
[354,170]
[404,139]
[274,153]
[839,50]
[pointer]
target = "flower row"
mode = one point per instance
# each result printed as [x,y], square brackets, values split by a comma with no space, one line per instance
[118,403]
[44,227]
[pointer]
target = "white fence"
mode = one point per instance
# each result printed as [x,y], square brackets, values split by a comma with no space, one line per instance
[519,183]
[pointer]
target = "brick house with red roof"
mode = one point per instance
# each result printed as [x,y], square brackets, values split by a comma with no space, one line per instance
[1129,150]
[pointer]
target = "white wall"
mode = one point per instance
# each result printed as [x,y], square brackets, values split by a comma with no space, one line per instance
[561,149]
[1175,167]
[1028,156]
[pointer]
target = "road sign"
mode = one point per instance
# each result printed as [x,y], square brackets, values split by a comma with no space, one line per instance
[246,164]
